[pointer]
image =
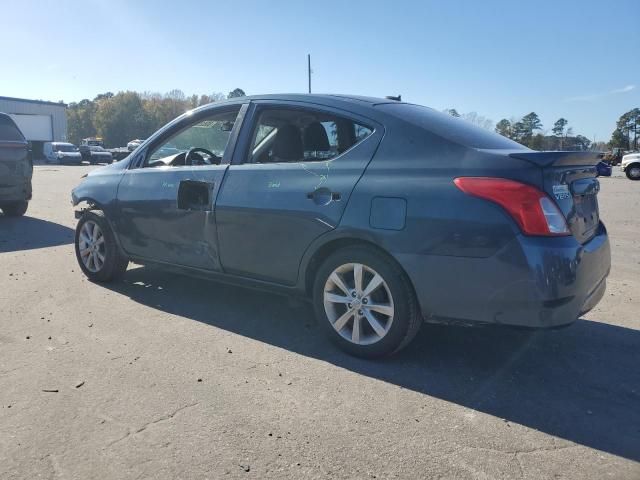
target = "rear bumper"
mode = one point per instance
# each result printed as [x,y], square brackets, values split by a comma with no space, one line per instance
[532,282]
[15,193]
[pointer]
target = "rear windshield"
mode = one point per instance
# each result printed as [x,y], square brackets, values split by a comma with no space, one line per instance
[451,128]
[9,131]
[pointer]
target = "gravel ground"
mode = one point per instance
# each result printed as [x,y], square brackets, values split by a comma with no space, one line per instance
[163,376]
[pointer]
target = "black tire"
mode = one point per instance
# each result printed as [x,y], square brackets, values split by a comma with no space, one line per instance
[636,171]
[407,318]
[115,262]
[16,209]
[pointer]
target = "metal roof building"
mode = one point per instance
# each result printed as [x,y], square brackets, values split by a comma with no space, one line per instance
[39,121]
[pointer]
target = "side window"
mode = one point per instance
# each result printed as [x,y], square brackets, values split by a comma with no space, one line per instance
[210,136]
[283,135]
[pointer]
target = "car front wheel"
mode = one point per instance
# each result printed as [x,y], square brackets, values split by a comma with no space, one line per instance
[633,171]
[365,302]
[96,250]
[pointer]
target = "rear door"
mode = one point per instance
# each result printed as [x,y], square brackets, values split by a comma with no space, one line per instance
[288,185]
[166,208]
[15,165]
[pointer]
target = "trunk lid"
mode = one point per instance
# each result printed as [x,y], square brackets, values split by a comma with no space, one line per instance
[15,166]
[569,178]
[14,163]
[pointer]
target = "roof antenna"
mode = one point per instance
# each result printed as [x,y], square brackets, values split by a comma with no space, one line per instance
[396,98]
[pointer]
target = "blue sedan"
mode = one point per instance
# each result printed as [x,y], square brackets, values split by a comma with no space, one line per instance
[384,214]
[604,169]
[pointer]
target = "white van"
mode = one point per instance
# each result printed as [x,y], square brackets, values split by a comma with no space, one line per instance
[62,152]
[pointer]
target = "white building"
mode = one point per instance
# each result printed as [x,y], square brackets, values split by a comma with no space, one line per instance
[39,121]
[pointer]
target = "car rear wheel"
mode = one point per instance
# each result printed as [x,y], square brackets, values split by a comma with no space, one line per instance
[96,250]
[365,302]
[633,171]
[16,209]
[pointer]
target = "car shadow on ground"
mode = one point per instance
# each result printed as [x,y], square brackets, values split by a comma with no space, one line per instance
[581,383]
[28,233]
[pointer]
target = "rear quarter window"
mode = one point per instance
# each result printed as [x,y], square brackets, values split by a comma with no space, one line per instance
[9,131]
[448,127]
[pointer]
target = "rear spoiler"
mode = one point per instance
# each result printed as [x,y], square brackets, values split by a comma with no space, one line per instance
[557,159]
[14,144]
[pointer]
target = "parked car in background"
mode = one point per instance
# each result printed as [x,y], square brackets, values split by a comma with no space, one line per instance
[98,154]
[385,214]
[133,144]
[62,153]
[631,166]
[86,144]
[16,169]
[604,169]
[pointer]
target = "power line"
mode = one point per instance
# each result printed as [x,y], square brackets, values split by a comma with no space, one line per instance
[309,70]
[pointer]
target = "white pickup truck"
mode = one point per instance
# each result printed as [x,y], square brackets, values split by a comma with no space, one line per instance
[631,165]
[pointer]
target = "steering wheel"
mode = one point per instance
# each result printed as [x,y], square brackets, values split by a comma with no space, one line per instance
[213,158]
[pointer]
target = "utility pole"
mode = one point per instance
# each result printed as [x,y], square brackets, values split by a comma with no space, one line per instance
[309,70]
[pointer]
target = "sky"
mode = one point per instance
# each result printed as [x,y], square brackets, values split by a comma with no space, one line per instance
[502,59]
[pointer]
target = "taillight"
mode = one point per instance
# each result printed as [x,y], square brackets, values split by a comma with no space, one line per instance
[533,210]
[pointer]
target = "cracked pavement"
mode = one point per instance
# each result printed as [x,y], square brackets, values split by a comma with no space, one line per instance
[190,379]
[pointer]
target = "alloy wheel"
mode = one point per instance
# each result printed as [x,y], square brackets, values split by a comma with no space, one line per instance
[358,303]
[634,172]
[91,245]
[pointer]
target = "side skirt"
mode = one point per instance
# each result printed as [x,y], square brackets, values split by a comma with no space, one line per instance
[235,280]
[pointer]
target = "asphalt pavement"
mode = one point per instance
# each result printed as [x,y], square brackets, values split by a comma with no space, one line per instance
[165,376]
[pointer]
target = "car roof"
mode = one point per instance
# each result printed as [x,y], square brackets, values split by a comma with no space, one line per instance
[325,99]
[321,97]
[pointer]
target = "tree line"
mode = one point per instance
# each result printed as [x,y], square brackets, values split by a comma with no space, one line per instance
[121,117]
[530,132]
[627,124]
[124,116]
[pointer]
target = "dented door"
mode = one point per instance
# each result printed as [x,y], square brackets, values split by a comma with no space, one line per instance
[151,225]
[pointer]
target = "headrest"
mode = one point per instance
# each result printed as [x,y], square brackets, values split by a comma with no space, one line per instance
[288,145]
[315,138]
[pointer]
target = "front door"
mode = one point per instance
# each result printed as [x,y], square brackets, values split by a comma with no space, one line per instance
[288,185]
[167,203]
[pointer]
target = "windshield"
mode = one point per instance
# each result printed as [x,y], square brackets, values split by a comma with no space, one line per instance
[211,134]
[65,148]
[96,148]
[8,130]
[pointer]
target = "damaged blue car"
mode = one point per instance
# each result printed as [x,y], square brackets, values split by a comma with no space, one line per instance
[383,213]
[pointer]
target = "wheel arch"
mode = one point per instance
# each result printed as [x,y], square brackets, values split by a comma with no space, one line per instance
[91,204]
[632,165]
[313,259]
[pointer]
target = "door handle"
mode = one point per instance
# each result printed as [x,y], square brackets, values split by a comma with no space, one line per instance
[323,196]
